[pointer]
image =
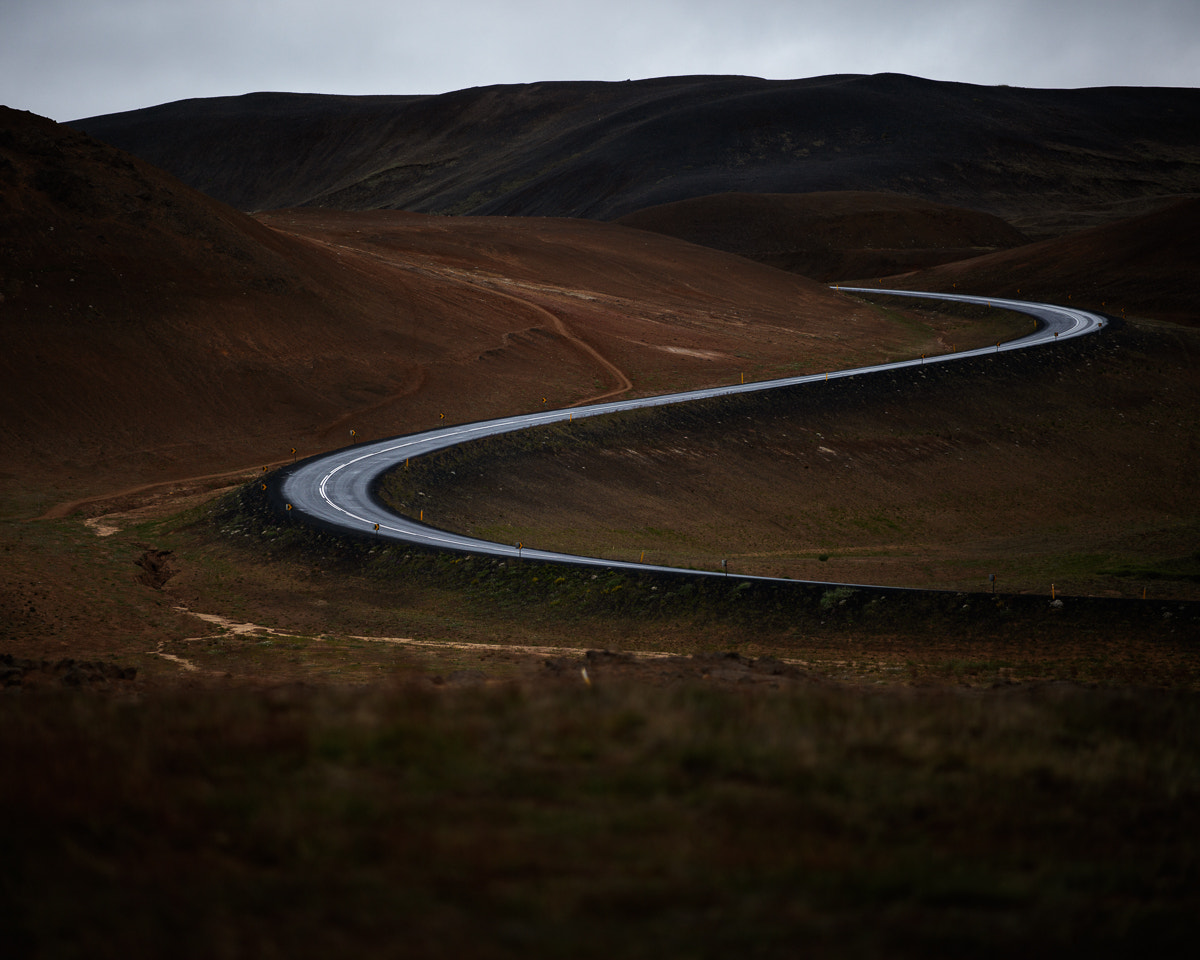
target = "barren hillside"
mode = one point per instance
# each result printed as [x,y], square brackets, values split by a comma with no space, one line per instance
[1049,159]
[831,236]
[1143,266]
[150,332]
[225,732]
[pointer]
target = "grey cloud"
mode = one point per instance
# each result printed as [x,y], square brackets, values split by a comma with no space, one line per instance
[74,58]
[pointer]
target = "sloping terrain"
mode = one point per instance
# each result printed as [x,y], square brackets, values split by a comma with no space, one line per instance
[664,313]
[148,332]
[1072,470]
[224,735]
[1046,158]
[1074,467]
[831,236]
[1143,266]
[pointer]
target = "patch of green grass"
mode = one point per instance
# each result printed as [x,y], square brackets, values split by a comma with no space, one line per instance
[878,524]
[1174,568]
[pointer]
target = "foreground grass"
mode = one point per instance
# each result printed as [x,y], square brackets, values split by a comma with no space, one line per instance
[528,814]
[620,819]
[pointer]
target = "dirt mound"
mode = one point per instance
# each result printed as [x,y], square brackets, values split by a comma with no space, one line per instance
[1142,266]
[831,236]
[602,150]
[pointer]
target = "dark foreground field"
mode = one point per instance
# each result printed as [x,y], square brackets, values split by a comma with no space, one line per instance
[835,782]
[549,817]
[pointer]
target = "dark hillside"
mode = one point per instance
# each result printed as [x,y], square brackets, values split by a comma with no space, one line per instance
[602,150]
[135,313]
[1143,266]
[149,332]
[831,236]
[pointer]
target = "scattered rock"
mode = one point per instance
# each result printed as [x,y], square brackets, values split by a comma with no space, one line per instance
[20,672]
[158,566]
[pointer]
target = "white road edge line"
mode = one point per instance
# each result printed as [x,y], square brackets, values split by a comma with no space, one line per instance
[337,488]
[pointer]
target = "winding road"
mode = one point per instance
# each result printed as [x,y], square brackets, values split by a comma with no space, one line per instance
[337,490]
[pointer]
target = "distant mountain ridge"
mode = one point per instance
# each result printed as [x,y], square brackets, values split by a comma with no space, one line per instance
[603,150]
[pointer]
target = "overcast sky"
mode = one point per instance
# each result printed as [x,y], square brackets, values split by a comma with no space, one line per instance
[68,59]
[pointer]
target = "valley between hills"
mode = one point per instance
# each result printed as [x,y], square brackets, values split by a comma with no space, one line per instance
[161,345]
[283,741]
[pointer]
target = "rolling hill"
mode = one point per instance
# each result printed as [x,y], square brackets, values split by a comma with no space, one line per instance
[1042,159]
[223,733]
[1141,266]
[831,236]
[148,331]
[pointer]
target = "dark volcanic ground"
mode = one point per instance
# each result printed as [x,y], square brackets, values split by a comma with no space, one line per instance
[1046,159]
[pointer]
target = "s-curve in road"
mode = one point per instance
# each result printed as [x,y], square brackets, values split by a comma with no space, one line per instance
[338,490]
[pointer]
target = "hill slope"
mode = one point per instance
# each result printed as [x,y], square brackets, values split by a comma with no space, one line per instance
[831,236]
[601,150]
[1142,266]
[148,331]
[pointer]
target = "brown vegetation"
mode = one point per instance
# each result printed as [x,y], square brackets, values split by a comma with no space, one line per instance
[1050,159]
[222,734]
[1143,266]
[1071,468]
[151,334]
[831,236]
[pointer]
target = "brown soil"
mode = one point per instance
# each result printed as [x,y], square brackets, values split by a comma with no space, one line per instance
[1144,266]
[158,345]
[941,479]
[831,236]
[1055,159]
[150,334]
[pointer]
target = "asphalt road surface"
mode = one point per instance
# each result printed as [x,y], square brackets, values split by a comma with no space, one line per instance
[337,489]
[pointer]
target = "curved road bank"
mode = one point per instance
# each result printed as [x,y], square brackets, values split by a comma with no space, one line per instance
[337,490]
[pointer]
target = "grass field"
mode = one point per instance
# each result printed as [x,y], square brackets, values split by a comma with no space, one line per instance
[774,782]
[620,818]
